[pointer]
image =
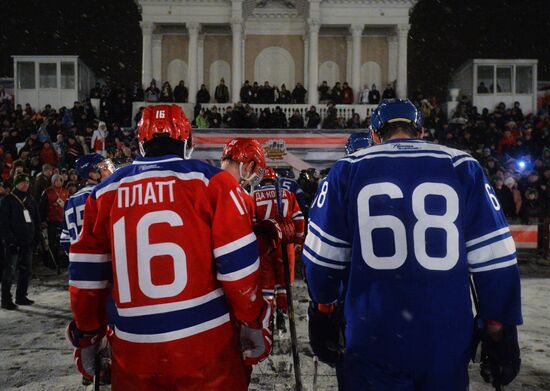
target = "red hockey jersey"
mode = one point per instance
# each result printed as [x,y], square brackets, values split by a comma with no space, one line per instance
[170,239]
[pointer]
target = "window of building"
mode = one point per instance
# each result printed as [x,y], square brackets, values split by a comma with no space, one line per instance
[25,75]
[485,77]
[524,79]
[504,79]
[67,75]
[48,75]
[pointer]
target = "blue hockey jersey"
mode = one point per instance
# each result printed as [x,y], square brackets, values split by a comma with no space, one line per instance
[293,186]
[73,217]
[395,231]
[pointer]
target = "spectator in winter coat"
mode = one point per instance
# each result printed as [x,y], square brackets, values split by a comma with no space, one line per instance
[166,94]
[296,121]
[505,197]
[299,94]
[389,92]
[364,95]
[201,121]
[181,93]
[52,203]
[19,230]
[152,93]
[99,138]
[511,184]
[246,92]
[221,94]
[203,96]
[279,119]
[48,155]
[531,208]
[374,95]
[347,94]
[74,151]
[313,119]
[214,118]
[284,96]
[336,94]
[42,181]
[266,120]
[324,92]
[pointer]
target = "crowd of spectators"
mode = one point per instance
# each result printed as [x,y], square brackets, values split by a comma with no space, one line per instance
[244,116]
[512,147]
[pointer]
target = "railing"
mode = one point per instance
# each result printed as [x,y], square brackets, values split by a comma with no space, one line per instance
[345,111]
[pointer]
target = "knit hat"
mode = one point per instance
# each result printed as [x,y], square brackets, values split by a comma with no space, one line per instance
[55,177]
[20,178]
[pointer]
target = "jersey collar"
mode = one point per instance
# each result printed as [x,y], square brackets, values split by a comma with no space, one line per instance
[156,159]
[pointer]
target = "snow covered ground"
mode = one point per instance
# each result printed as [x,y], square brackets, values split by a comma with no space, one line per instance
[34,355]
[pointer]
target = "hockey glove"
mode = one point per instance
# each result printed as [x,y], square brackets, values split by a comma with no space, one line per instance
[326,332]
[88,348]
[500,355]
[256,339]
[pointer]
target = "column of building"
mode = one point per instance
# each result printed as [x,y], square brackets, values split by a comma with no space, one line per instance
[314,26]
[237,56]
[146,66]
[402,35]
[157,58]
[356,36]
[193,29]
[393,48]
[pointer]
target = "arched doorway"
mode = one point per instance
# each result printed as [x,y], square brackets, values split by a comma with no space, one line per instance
[276,65]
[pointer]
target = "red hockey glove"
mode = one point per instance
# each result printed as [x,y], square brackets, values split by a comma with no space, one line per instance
[287,229]
[88,346]
[256,339]
[269,235]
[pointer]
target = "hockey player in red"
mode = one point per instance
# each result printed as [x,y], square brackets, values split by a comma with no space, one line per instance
[272,278]
[168,238]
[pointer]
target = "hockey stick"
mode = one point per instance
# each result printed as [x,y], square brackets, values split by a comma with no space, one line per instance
[48,250]
[97,371]
[315,369]
[291,319]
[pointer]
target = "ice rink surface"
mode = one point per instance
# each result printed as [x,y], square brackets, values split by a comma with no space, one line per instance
[35,356]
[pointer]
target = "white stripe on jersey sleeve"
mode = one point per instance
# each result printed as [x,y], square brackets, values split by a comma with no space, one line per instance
[495,250]
[316,261]
[488,236]
[326,235]
[89,258]
[90,284]
[500,265]
[464,159]
[325,250]
[241,273]
[234,245]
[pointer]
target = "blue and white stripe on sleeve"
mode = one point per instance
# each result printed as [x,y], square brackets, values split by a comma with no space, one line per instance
[237,259]
[326,250]
[90,271]
[495,250]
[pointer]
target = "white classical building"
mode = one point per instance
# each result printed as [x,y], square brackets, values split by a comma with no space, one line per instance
[281,41]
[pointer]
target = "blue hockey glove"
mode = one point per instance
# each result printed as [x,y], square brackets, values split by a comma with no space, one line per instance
[326,332]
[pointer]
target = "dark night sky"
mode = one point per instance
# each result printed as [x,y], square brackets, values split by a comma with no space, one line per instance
[444,34]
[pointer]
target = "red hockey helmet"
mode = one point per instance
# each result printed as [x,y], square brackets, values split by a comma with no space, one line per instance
[165,119]
[269,174]
[243,151]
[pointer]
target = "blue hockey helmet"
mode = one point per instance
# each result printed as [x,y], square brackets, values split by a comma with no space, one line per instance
[87,164]
[395,110]
[358,141]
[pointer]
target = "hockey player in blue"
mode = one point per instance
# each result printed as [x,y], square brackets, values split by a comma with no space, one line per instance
[397,230]
[357,141]
[92,168]
[293,186]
